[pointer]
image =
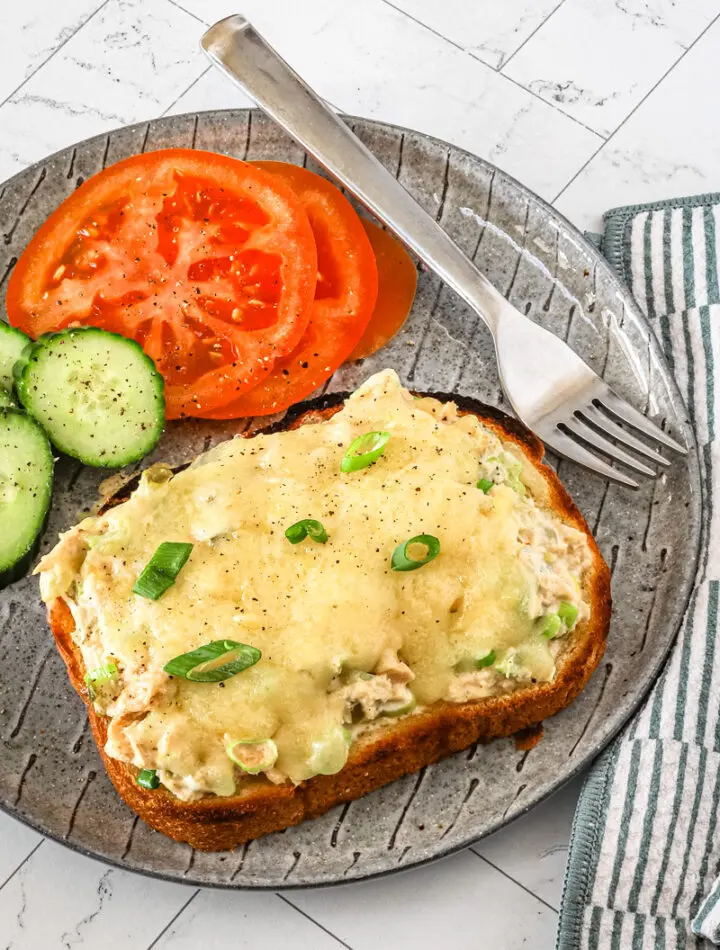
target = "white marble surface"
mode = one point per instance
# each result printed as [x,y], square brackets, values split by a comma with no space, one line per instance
[592,104]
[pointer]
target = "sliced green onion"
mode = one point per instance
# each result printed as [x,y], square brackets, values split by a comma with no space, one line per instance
[148,779]
[551,626]
[364,450]
[162,569]
[307,528]
[402,561]
[253,755]
[485,484]
[568,613]
[487,659]
[213,662]
[99,677]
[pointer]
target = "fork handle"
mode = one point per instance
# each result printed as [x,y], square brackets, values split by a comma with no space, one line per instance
[241,53]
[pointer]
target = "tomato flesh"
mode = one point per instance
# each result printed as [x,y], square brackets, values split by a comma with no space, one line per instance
[207,261]
[397,282]
[345,296]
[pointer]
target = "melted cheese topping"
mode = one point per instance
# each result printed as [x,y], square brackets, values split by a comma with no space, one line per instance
[323,615]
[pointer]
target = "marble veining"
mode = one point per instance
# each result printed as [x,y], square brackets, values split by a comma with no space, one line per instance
[487,29]
[534,85]
[645,11]
[104,892]
[568,92]
[31,34]
[619,52]
[670,145]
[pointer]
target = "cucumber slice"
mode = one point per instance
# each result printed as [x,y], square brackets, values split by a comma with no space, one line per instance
[26,471]
[12,343]
[6,399]
[97,395]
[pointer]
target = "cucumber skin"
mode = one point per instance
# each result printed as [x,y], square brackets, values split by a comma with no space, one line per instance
[20,364]
[21,372]
[20,567]
[8,331]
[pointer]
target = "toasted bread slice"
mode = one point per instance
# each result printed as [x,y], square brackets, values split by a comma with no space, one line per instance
[393,748]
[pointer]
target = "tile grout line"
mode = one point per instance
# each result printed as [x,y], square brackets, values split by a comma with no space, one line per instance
[207,69]
[23,862]
[535,95]
[193,15]
[514,880]
[497,72]
[312,920]
[528,38]
[635,108]
[435,32]
[53,53]
[185,91]
[172,920]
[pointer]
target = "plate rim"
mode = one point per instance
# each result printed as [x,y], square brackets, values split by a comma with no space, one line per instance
[629,711]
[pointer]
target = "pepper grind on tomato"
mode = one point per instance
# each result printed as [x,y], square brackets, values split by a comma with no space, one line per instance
[208,262]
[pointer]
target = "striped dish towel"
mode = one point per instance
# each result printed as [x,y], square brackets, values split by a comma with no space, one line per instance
[644,863]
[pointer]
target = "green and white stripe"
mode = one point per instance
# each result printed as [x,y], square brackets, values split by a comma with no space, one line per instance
[707,921]
[644,865]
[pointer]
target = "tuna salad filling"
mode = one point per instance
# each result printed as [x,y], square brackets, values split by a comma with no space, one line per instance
[252,616]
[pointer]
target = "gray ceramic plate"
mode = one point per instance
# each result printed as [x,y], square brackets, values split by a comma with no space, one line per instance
[50,773]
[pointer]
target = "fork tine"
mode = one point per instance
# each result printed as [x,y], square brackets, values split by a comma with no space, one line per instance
[627,413]
[583,431]
[577,453]
[611,428]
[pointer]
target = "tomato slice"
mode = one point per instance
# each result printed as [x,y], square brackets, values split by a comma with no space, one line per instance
[397,282]
[345,296]
[207,261]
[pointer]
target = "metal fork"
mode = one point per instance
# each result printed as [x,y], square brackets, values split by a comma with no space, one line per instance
[549,387]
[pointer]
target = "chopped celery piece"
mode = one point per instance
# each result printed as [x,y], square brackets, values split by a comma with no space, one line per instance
[568,613]
[486,659]
[504,468]
[551,626]
[399,707]
[148,778]
[329,753]
[97,678]
[510,666]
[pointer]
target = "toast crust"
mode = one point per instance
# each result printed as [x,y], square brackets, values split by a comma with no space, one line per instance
[391,750]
